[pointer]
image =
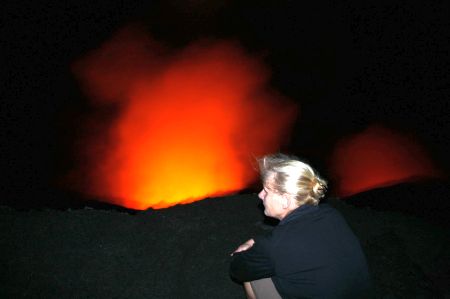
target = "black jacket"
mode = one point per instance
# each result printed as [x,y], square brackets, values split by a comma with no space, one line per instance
[312,253]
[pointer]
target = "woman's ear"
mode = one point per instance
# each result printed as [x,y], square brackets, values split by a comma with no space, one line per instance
[286,201]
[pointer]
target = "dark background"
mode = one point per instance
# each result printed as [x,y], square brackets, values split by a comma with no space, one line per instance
[348,64]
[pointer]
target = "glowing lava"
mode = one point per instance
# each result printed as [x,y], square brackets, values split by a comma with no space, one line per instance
[173,128]
[378,157]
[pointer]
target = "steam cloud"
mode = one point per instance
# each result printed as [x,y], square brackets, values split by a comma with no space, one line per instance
[378,157]
[172,127]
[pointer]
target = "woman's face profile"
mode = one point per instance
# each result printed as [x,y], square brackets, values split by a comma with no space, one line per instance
[272,202]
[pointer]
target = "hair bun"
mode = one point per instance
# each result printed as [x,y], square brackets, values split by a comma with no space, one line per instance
[319,189]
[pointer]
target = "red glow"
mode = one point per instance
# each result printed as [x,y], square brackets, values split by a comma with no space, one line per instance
[184,126]
[378,157]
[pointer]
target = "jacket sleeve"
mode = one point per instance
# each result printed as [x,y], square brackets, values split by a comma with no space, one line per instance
[255,263]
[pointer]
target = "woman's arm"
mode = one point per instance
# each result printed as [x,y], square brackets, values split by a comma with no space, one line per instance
[252,260]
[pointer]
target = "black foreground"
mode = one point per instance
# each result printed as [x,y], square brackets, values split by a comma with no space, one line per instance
[183,252]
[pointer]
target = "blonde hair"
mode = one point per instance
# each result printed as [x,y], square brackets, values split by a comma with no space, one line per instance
[287,174]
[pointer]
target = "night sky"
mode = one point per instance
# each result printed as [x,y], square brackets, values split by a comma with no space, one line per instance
[349,65]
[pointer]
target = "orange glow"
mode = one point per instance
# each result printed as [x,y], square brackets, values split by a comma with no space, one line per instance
[378,157]
[181,126]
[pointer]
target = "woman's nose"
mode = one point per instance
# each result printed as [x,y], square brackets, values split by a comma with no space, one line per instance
[261,194]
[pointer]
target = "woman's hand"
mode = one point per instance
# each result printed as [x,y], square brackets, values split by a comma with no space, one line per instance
[245,246]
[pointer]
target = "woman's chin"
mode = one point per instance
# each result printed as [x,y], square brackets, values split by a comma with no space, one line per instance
[268,214]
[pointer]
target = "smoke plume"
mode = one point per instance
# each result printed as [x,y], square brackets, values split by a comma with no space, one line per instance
[170,127]
[378,157]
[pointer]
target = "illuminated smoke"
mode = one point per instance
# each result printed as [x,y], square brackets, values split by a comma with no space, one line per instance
[173,128]
[378,157]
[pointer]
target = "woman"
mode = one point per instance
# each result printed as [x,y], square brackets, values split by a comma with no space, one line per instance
[312,252]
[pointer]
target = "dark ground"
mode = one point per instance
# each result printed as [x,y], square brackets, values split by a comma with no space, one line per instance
[183,252]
